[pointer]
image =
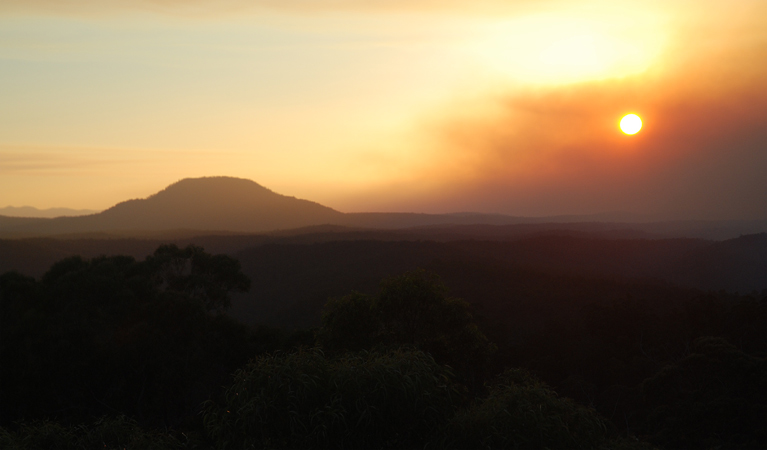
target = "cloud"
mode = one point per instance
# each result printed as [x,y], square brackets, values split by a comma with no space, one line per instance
[24,160]
[37,160]
[205,8]
[557,150]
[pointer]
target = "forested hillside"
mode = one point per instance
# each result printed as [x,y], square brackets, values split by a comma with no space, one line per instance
[420,344]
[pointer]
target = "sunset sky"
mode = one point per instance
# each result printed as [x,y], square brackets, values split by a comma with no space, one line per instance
[384,105]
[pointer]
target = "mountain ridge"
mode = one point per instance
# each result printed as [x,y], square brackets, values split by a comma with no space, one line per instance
[32,212]
[236,205]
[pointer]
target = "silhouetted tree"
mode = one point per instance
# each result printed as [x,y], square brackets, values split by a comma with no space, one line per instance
[396,399]
[414,310]
[112,335]
[715,397]
[350,322]
[521,412]
[197,275]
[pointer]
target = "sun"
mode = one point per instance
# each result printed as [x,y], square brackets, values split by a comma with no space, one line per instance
[631,124]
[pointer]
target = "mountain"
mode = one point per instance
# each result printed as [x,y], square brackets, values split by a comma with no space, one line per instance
[221,205]
[206,204]
[226,204]
[29,211]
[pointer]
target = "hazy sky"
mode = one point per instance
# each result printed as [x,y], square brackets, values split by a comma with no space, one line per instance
[430,106]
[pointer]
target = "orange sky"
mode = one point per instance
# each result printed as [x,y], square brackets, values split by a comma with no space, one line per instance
[391,106]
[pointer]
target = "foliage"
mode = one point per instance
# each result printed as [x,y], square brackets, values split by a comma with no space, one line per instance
[414,310]
[119,433]
[350,322]
[521,412]
[113,335]
[398,399]
[715,397]
[197,275]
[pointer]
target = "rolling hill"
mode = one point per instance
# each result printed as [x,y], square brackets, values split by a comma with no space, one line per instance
[28,211]
[221,205]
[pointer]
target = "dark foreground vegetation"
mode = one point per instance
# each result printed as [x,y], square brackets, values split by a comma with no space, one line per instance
[114,353]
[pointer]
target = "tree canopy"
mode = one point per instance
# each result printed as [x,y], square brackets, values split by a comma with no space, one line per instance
[113,334]
[412,309]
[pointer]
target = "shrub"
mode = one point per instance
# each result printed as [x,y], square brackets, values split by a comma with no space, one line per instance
[521,412]
[105,433]
[715,397]
[364,400]
[414,310]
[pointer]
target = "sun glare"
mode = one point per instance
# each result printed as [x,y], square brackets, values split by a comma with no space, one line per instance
[552,48]
[631,124]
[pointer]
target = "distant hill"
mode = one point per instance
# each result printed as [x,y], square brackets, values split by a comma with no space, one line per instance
[29,211]
[206,204]
[220,205]
[292,282]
